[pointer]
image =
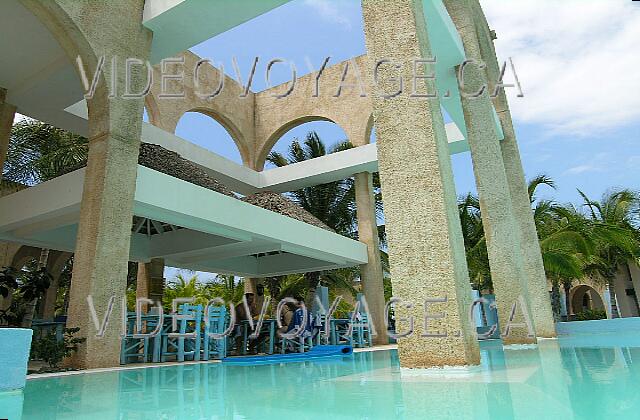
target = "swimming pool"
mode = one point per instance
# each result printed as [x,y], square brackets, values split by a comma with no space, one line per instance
[565,378]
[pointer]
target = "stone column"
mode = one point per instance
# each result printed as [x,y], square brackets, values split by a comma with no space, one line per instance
[106,213]
[539,299]
[102,247]
[250,285]
[150,280]
[371,273]
[7,114]
[48,310]
[500,227]
[423,227]
[55,265]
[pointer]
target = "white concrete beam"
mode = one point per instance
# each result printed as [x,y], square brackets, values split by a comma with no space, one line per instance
[239,178]
[178,25]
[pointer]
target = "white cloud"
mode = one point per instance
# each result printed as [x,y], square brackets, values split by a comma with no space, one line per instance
[580,169]
[577,61]
[330,10]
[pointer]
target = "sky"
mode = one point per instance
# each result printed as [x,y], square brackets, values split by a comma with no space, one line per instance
[576,60]
[578,121]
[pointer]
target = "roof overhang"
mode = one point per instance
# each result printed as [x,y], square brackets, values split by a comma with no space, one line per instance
[218,233]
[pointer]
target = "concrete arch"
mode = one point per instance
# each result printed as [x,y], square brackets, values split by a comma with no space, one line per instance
[64,29]
[232,108]
[234,131]
[351,111]
[23,255]
[151,105]
[266,148]
[583,297]
[368,130]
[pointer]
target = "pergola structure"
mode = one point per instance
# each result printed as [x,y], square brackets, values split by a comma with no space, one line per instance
[116,210]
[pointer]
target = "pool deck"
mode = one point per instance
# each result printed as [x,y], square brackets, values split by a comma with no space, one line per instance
[164,364]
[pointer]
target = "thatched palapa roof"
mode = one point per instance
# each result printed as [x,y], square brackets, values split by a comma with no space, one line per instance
[171,163]
[279,204]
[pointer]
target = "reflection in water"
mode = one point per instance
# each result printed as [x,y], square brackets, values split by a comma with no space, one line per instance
[557,379]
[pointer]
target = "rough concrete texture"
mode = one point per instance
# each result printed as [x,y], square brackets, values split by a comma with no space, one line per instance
[539,300]
[230,107]
[425,240]
[150,280]
[351,111]
[92,29]
[371,274]
[7,113]
[500,227]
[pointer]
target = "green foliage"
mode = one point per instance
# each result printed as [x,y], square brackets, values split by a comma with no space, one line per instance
[590,314]
[34,283]
[388,290]
[26,286]
[333,203]
[53,351]
[7,281]
[38,152]
[228,288]
[573,243]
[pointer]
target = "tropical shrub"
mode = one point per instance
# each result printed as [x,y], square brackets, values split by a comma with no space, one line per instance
[52,351]
[591,314]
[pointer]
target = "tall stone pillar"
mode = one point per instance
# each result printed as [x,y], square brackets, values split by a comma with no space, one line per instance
[106,213]
[150,280]
[539,299]
[102,247]
[371,273]
[48,305]
[425,239]
[55,265]
[250,285]
[498,220]
[7,114]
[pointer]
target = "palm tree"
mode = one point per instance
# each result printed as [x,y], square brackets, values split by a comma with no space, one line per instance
[564,242]
[333,203]
[229,288]
[474,242]
[39,152]
[614,226]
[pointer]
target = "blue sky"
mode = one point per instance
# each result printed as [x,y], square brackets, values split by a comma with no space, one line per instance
[579,121]
[591,147]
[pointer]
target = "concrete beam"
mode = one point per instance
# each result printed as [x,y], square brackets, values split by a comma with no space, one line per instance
[178,25]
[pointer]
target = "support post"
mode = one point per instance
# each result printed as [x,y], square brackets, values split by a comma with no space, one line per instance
[538,287]
[102,247]
[150,280]
[101,256]
[426,249]
[371,273]
[500,227]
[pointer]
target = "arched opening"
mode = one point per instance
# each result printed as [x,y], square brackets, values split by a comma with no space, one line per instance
[330,134]
[205,131]
[585,298]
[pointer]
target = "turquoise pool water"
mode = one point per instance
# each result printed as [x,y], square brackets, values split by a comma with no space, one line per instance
[564,379]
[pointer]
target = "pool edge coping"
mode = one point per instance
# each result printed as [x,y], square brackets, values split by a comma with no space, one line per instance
[33,376]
